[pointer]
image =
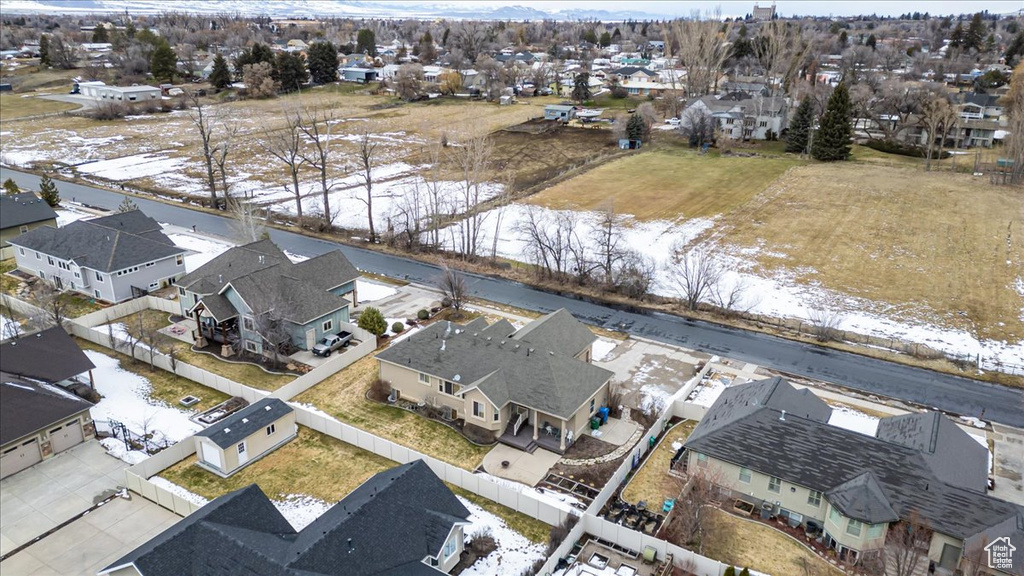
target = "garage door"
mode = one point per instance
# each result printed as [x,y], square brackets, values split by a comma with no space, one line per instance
[19,457]
[66,436]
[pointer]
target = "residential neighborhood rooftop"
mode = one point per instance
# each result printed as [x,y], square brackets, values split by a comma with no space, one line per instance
[242,424]
[24,208]
[49,355]
[27,406]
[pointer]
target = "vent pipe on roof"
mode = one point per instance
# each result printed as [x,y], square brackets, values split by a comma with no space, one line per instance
[443,342]
[782,418]
[351,547]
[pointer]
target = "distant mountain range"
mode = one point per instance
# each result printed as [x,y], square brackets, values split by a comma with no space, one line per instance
[321,9]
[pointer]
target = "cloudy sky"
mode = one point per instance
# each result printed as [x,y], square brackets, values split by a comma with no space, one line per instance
[785,7]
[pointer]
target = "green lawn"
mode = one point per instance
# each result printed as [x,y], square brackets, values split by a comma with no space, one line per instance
[668,184]
[344,397]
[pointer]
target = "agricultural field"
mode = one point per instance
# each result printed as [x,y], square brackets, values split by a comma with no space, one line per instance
[20,106]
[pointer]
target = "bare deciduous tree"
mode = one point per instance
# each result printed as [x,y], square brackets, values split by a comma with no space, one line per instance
[500,202]
[471,157]
[366,156]
[436,205]
[285,144]
[452,285]
[54,305]
[247,224]
[702,49]
[204,120]
[607,236]
[690,523]
[938,117]
[11,328]
[825,322]
[408,81]
[228,131]
[316,125]
[695,273]
[906,547]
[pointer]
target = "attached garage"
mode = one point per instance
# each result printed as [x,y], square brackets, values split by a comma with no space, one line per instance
[18,457]
[66,436]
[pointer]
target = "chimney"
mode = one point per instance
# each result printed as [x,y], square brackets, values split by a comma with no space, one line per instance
[782,418]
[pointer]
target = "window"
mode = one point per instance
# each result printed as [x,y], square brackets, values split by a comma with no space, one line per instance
[99,277]
[328,325]
[424,378]
[96,293]
[195,299]
[447,387]
[241,447]
[449,548]
[834,516]
[702,459]
[250,345]
[271,429]
[181,291]
[814,498]
[496,415]
[853,527]
[763,123]
[875,531]
[248,324]
[49,260]
[592,403]
[774,484]
[745,475]
[179,260]
[478,409]
[23,229]
[42,275]
[38,256]
[21,251]
[150,264]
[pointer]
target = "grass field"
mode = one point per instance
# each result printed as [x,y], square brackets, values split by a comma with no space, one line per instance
[947,248]
[652,483]
[313,464]
[668,184]
[15,106]
[344,397]
[758,547]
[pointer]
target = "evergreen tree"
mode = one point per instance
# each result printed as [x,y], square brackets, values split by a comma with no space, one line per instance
[729,571]
[956,37]
[290,71]
[444,37]
[256,54]
[590,36]
[323,62]
[99,34]
[44,50]
[832,140]
[220,76]
[1015,50]
[606,39]
[428,54]
[10,187]
[843,38]
[373,321]
[636,127]
[129,29]
[366,42]
[871,42]
[974,39]
[127,205]
[745,572]
[800,127]
[164,63]
[581,87]
[48,191]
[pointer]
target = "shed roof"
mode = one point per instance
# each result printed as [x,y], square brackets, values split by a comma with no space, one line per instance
[247,421]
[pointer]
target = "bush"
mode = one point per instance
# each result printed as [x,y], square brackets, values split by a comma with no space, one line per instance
[380,389]
[446,302]
[373,321]
[896,148]
[560,531]
[730,571]
[422,314]
[398,327]
[109,111]
[745,572]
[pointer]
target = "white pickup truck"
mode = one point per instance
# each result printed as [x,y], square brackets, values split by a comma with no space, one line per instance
[331,342]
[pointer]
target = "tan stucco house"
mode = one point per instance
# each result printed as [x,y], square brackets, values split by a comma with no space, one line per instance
[529,387]
[769,444]
[244,437]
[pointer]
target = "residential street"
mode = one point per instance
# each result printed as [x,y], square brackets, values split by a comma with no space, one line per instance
[950,393]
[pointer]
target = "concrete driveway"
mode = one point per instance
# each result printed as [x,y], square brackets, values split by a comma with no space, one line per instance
[93,541]
[42,497]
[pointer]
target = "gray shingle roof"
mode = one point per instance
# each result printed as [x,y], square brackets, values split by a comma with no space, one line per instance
[26,407]
[862,498]
[949,451]
[21,209]
[242,424]
[822,457]
[1013,528]
[505,370]
[234,263]
[106,244]
[386,526]
[557,331]
[49,355]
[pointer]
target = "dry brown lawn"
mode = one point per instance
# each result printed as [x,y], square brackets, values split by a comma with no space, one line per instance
[758,547]
[668,184]
[16,106]
[344,397]
[313,464]
[946,248]
[533,529]
[652,483]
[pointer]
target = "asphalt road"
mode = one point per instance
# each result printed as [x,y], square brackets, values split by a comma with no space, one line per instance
[949,393]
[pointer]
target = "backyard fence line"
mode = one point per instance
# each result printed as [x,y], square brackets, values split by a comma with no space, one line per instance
[337,363]
[638,541]
[137,477]
[112,313]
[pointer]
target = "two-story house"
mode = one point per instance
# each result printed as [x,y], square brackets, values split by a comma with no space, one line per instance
[769,444]
[250,290]
[400,521]
[739,116]
[534,386]
[113,258]
[20,213]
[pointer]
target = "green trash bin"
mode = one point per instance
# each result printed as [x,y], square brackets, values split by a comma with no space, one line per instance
[595,423]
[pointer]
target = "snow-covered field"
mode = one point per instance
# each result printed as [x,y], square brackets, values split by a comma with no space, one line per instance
[126,399]
[131,167]
[515,553]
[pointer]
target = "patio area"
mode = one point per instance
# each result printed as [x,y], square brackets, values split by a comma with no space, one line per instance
[514,464]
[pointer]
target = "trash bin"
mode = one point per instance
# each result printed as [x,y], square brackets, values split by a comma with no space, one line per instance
[651,442]
[603,413]
[595,423]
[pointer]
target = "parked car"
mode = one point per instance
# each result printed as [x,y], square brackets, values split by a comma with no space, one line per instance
[331,342]
[672,121]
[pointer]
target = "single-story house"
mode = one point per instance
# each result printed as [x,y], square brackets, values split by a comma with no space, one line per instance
[113,258]
[100,91]
[401,521]
[20,213]
[360,75]
[534,386]
[50,356]
[37,422]
[249,291]
[245,436]
[561,112]
[770,445]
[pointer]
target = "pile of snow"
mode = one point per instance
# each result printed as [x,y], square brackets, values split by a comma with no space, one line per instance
[312,409]
[126,399]
[850,419]
[67,214]
[301,510]
[371,291]
[708,392]
[116,448]
[515,553]
[602,349]
[130,167]
[202,249]
[984,442]
[9,328]
[178,490]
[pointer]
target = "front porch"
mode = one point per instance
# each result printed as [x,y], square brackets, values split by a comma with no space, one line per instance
[529,429]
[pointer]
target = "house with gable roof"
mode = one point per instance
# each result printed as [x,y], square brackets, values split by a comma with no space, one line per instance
[770,445]
[20,213]
[532,387]
[401,521]
[232,296]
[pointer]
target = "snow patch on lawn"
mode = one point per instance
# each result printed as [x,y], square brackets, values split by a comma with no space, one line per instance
[313,409]
[9,328]
[557,499]
[371,291]
[182,492]
[301,510]
[131,167]
[116,448]
[515,553]
[67,214]
[602,349]
[850,419]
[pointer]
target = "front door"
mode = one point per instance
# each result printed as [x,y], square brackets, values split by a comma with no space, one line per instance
[310,338]
[58,283]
